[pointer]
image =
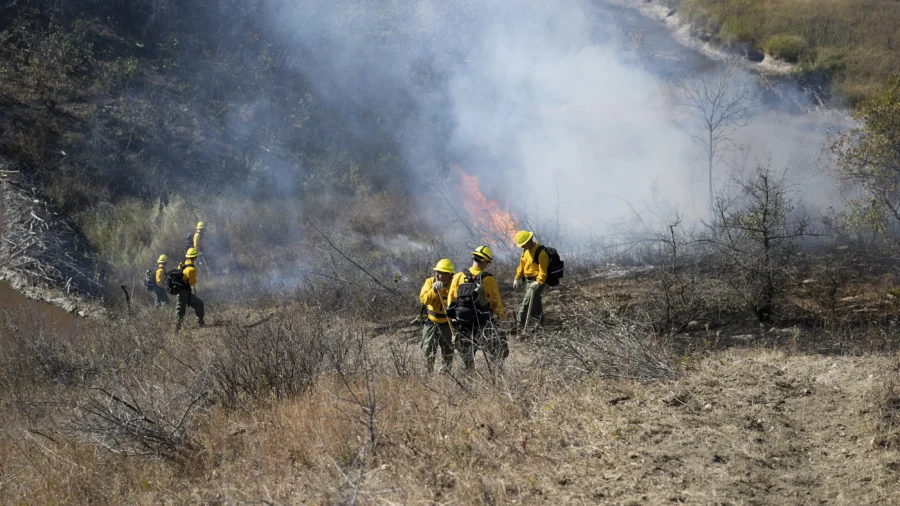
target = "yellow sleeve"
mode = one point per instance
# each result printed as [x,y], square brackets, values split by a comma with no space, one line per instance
[197,241]
[191,273]
[543,263]
[428,296]
[160,277]
[454,288]
[520,270]
[492,292]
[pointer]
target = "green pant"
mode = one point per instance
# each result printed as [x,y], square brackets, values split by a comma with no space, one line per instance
[185,299]
[435,335]
[470,339]
[537,308]
[162,298]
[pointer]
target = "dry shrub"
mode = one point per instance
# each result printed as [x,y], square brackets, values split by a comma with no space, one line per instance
[278,357]
[684,297]
[610,345]
[138,413]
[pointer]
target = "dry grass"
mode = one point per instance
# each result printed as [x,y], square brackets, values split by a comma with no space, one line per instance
[269,240]
[740,425]
[316,399]
[856,41]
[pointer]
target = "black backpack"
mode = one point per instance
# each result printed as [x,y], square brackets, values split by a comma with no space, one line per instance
[470,305]
[189,241]
[557,267]
[150,280]
[175,282]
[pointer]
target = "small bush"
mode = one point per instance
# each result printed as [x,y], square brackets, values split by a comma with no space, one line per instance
[790,48]
[135,413]
[613,347]
[276,357]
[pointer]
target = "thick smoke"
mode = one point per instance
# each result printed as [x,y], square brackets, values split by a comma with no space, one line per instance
[533,97]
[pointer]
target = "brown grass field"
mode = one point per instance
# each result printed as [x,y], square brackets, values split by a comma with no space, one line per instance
[762,420]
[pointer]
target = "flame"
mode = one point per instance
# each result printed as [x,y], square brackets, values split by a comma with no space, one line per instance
[488,218]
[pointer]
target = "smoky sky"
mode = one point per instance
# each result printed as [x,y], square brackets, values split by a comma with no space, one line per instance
[554,120]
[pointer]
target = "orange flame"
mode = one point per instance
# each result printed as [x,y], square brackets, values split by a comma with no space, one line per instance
[492,221]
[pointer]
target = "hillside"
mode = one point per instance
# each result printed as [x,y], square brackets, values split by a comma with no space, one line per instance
[726,330]
[856,44]
[137,119]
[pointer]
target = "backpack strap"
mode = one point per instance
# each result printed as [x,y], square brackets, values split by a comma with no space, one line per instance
[537,253]
[471,279]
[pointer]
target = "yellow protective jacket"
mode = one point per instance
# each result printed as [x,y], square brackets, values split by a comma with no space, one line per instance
[531,269]
[161,276]
[189,272]
[488,284]
[197,240]
[433,301]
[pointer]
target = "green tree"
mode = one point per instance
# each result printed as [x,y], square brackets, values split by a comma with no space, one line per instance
[868,159]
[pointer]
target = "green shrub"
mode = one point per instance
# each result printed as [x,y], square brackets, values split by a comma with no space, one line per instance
[737,30]
[133,233]
[790,48]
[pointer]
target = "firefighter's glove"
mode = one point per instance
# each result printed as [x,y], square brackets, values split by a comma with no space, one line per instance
[534,285]
[437,286]
[516,284]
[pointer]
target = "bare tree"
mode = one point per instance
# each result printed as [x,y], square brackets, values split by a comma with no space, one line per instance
[757,237]
[710,107]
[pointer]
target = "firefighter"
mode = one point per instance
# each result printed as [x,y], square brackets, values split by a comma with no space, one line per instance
[162,298]
[197,234]
[186,297]
[474,298]
[437,333]
[533,273]
[194,240]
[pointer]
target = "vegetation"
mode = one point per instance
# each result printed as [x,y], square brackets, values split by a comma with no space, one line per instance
[868,159]
[314,398]
[120,114]
[855,42]
[716,371]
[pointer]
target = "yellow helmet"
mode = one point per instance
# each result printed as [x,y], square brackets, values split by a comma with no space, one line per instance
[522,237]
[445,265]
[484,252]
[191,253]
[162,259]
[201,225]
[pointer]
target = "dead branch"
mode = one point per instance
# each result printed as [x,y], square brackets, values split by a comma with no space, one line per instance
[363,269]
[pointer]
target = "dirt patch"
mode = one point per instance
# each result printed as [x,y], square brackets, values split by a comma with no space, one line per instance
[743,428]
[30,314]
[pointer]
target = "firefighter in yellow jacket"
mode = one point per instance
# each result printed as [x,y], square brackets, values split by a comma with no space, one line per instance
[197,235]
[194,242]
[186,297]
[436,333]
[162,298]
[532,271]
[474,297]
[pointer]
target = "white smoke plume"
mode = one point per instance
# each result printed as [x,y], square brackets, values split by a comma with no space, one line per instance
[533,97]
